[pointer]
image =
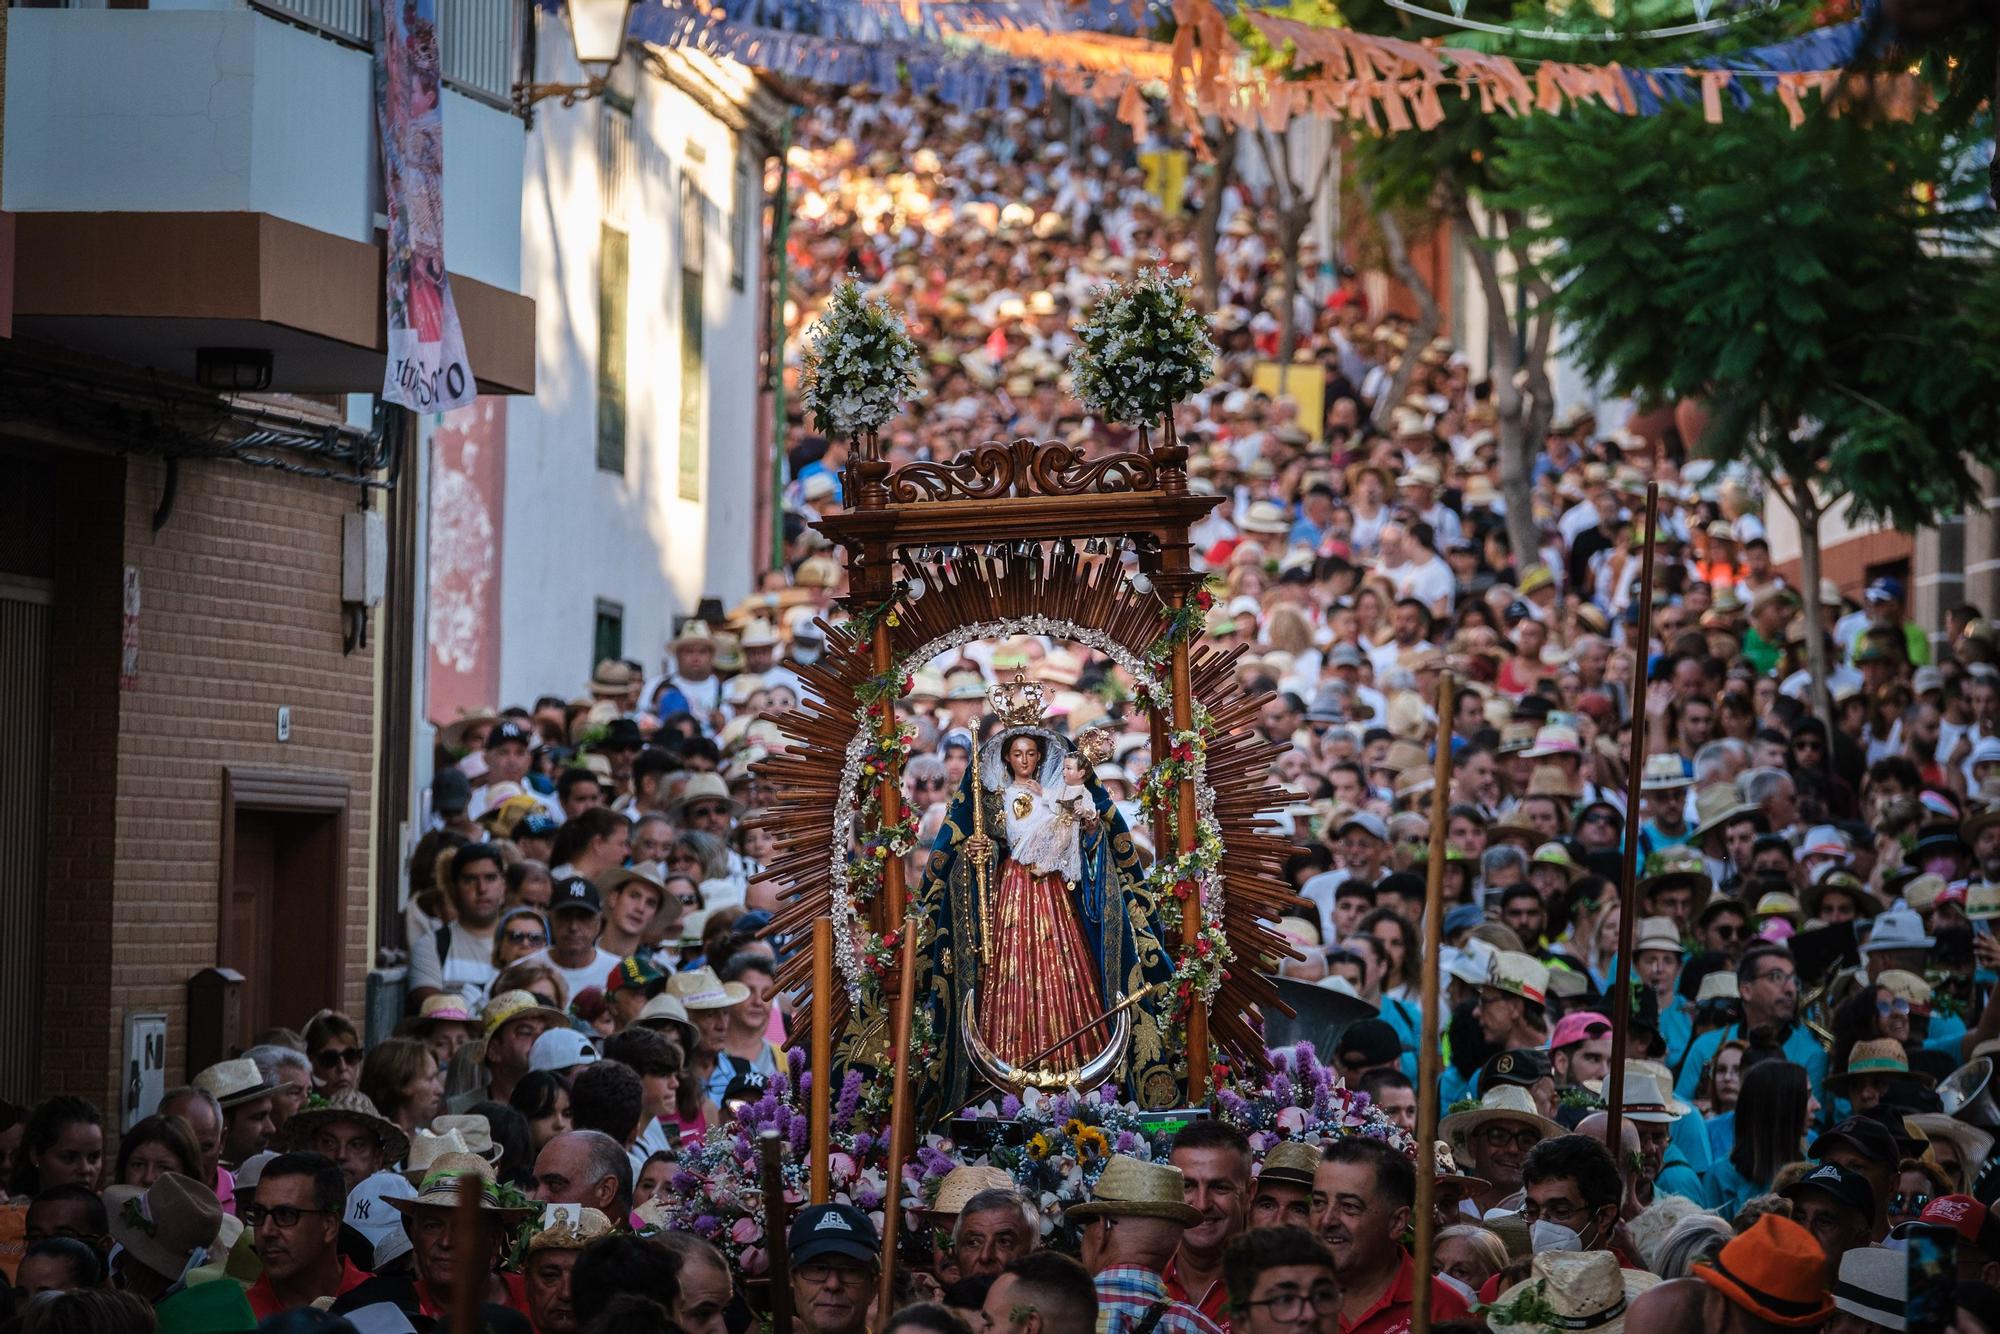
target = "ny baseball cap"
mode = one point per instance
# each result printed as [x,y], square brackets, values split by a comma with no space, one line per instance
[509,731]
[574,893]
[832,1229]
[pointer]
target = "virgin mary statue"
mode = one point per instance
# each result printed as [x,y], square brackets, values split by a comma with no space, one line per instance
[1042,923]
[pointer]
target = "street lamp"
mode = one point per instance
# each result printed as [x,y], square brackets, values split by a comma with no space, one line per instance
[597,32]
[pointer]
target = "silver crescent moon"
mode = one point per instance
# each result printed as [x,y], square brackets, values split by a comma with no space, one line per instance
[1093,1073]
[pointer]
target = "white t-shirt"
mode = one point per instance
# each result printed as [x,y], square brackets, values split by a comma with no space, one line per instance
[1429,581]
[593,974]
[467,967]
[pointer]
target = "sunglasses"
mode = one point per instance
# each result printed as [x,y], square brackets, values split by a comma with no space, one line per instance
[333,1056]
[1888,1007]
[525,938]
[1726,931]
[1899,1203]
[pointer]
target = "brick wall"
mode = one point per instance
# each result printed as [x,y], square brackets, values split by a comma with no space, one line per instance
[241,614]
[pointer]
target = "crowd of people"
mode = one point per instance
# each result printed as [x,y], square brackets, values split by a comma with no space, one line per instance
[592,960]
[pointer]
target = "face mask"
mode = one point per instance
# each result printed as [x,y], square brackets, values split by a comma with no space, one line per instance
[1544,1236]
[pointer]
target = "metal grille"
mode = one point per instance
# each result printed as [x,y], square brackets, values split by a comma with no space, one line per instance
[349,20]
[27,636]
[478,41]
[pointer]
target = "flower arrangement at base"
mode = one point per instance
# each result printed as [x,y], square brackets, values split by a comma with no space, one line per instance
[1143,349]
[861,365]
[1063,1142]
[1299,1098]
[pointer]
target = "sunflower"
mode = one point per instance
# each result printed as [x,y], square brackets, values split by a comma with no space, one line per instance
[1092,1142]
[1073,1128]
[1039,1146]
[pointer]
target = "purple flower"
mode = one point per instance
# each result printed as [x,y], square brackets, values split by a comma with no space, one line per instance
[1010,1107]
[795,1057]
[850,1097]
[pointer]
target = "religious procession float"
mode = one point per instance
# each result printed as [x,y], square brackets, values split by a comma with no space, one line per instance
[1056,986]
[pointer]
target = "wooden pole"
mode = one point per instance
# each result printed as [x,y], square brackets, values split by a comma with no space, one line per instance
[472,1263]
[820,1108]
[1621,977]
[901,1115]
[1186,833]
[1428,1044]
[776,1221]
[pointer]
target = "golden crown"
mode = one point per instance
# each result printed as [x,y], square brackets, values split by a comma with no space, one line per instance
[1018,703]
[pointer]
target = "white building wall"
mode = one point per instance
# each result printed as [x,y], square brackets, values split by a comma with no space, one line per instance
[575,534]
[222,109]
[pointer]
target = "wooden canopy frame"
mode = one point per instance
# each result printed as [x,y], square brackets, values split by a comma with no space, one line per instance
[1044,499]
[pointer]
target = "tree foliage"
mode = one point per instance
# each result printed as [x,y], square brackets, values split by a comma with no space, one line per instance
[1830,289]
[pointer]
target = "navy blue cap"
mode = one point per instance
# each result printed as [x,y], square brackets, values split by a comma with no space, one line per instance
[832,1229]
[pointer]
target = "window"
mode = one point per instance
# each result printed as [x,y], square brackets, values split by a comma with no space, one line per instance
[613,264]
[693,264]
[608,639]
[614,175]
[477,40]
[743,214]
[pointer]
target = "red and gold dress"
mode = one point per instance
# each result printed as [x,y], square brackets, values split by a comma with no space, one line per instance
[1041,982]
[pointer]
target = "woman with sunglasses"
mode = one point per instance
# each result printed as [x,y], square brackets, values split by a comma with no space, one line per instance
[522,932]
[333,1044]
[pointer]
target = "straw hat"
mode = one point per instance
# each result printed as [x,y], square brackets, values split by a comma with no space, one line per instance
[701,989]
[1502,1102]
[1549,780]
[1556,855]
[1774,1270]
[1714,806]
[233,1083]
[447,1007]
[1663,773]
[1129,1188]
[163,1225]
[452,735]
[1444,1165]
[703,787]
[474,1131]
[693,631]
[1554,740]
[1904,985]
[1877,1056]
[570,1230]
[1719,986]
[962,1183]
[1656,933]
[461,1173]
[1672,868]
[1520,975]
[426,1149]
[1973,1143]
[1290,1162]
[508,1006]
[665,1009]
[1570,1290]
[1874,1284]
[353,1107]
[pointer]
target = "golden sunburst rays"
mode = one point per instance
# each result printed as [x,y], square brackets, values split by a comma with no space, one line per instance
[965,599]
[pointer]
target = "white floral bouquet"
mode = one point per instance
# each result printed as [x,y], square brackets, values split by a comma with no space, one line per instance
[1143,349]
[861,365]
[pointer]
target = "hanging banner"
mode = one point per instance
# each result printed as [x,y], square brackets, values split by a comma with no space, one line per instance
[427,369]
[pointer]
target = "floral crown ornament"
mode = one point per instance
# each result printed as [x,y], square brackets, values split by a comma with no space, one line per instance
[1143,350]
[860,364]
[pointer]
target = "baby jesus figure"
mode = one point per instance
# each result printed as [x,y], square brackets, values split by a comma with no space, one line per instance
[1050,834]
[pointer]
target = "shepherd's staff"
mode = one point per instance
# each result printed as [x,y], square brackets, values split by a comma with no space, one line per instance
[1427,1038]
[1621,976]
[776,1220]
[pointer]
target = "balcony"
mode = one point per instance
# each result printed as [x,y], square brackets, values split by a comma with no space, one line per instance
[207,177]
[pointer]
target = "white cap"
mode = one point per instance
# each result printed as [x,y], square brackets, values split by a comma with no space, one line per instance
[559,1049]
[370,1213]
